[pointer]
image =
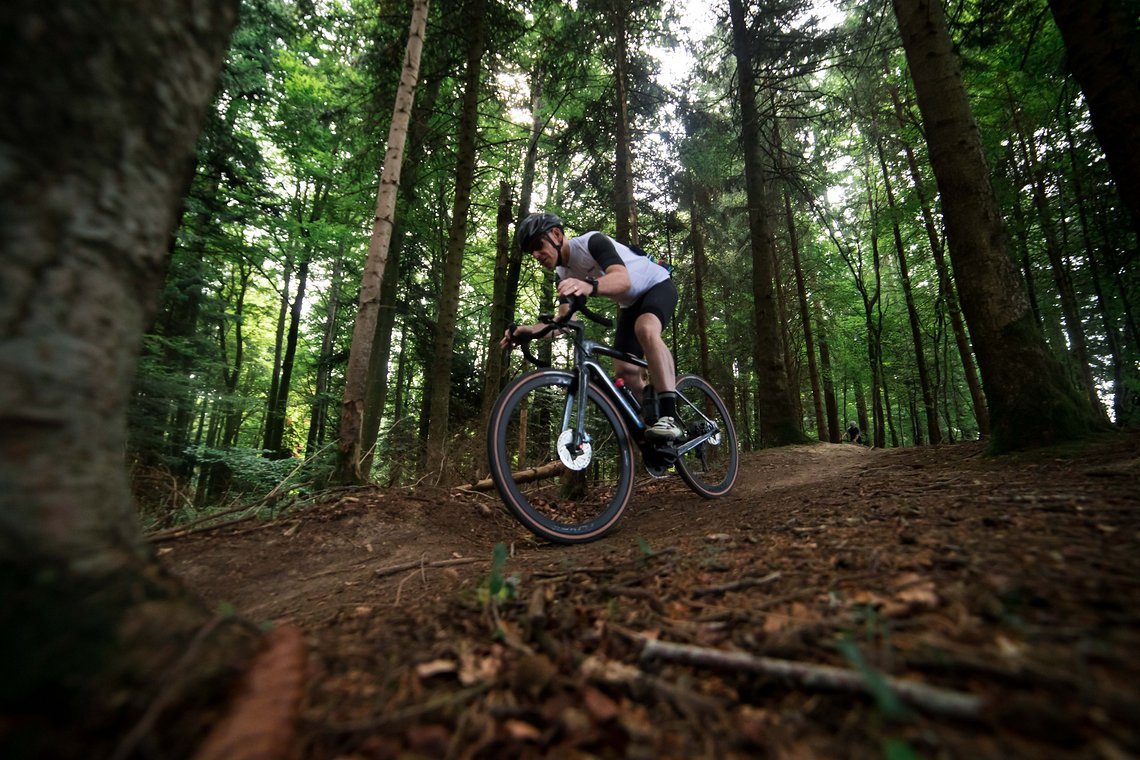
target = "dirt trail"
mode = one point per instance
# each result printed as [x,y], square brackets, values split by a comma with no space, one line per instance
[1010,580]
[307,568]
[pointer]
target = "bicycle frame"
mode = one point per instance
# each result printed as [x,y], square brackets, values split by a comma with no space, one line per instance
[586,366]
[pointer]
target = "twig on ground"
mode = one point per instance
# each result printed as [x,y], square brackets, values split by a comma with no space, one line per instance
[563,574]
[933,699]
[408,577]
[738,585]
[637,593]
[408,714]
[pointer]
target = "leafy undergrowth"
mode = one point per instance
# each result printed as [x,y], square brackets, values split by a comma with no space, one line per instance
[842,602]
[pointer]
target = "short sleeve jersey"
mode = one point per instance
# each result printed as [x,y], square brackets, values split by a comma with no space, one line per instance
[591,260]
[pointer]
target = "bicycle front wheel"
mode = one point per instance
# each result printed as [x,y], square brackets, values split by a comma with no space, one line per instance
[709,461]
[560,489]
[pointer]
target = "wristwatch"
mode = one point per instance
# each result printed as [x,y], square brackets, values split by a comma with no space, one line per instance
[593,285]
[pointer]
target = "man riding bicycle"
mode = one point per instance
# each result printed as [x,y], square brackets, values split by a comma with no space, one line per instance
[595,264]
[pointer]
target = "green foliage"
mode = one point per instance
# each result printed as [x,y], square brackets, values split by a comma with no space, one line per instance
[885,698]
[287,174]
[250,473]
[497,587]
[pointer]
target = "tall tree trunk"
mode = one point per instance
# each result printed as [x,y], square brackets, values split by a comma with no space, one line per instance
[1123,376]
[821,424]
[625,204]
[697,207]
[493,374]
[440,371]
[1031,401]
[364,329]
[104,104]
[1103,44]
[1021,232]
[946,288]
[376,394]
[928,402]
[231,370]
[530,164]
[861,410]
[834,431]
[778,420]
[275,415]
[791,365]
[278,347]
[319,410]
[1074,327]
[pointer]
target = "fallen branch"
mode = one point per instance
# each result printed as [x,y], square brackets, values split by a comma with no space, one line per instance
[929,698]
[393,569]
[548,470]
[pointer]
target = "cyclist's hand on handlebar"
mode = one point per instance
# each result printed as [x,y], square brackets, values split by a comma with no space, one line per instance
[574,287]
[517,334]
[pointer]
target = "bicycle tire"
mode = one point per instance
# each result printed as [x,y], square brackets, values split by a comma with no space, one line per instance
[710,469]
[541,492]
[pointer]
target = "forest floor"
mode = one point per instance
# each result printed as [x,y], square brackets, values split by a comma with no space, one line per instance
[1008,587]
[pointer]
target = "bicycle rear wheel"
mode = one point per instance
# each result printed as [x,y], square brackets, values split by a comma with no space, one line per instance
[560,492]
[711,466]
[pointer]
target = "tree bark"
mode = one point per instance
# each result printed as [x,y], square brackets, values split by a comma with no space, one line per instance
[492,376]
[697,207]
[1103,44]
[625,204]
[103,104]
[1124,376]
[1077,345]
[376,396]
[928,402]
[821,423]
[320,405]
[946,288]
[778,420]
[360,352]
[1031,401]
[834,431]
[440,372]
[276,414]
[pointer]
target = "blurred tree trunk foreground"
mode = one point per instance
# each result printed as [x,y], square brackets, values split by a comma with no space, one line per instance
[103,105]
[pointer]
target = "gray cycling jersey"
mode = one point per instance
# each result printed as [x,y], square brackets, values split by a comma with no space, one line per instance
[644,273]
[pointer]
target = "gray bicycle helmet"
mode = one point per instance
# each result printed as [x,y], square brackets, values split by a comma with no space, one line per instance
[533,226]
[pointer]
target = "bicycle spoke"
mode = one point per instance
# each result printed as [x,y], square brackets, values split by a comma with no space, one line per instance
[532,474]
[710,467]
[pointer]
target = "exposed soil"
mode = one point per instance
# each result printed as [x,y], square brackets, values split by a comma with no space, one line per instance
[1012,582]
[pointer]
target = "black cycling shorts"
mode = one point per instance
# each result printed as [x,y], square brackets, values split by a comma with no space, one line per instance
[660,300]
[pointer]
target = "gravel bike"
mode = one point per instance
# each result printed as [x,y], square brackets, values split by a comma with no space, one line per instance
[561,442]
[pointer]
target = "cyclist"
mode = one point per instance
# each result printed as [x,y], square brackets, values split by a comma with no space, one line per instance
[594,264]
[853,433]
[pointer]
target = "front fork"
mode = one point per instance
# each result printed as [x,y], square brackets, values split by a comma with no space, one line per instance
[574,415]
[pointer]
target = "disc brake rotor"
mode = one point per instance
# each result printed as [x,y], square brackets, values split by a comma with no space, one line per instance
[574,460]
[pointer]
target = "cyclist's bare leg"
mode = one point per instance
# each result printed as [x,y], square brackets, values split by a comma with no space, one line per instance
[662,370]
[632,375]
